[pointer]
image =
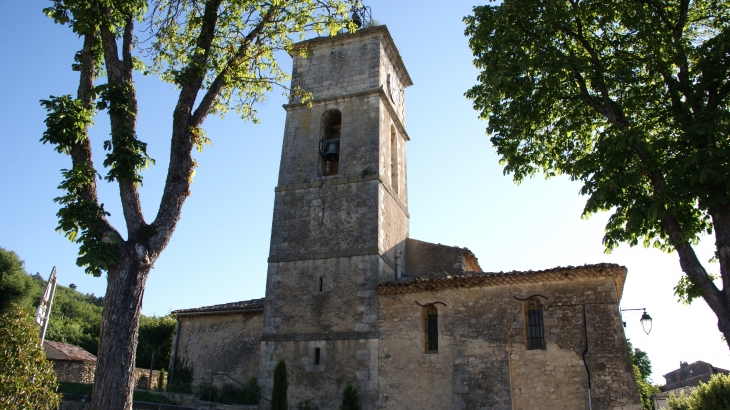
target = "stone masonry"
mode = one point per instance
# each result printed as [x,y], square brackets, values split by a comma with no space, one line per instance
[351,299]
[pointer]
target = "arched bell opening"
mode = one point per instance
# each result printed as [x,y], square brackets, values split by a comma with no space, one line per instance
[329,143]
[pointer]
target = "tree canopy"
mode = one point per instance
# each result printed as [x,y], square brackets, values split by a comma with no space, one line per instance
[630,98]
[16,287]
[220,55]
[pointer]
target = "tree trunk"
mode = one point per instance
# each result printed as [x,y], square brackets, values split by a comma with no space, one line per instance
[114,377]
[693,268]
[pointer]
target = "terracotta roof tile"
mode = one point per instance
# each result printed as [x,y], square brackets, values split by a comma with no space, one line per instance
[65,351]
[253,304]
[474,279]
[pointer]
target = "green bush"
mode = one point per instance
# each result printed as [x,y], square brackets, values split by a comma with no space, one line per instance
[27,380]
[678,402]
[281,385]
[306,405]
[247,396]
[161,380]
[230,393]
[207,392]
[350,399]
[182,377]
[713,395]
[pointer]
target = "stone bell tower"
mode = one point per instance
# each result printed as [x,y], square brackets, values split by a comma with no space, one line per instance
[340,217]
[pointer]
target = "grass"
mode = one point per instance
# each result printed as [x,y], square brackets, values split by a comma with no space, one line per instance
[80,388]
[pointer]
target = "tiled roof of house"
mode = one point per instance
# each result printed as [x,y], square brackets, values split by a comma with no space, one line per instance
[474,279]
[244,305]
[65,351]
[676,392]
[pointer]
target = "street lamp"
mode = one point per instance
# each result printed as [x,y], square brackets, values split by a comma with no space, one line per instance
[645,320]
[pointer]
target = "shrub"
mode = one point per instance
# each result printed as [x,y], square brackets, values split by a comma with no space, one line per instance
[278,395]
[27,380]
[713,395]
[247,395]
[678,402]
[161,381]
[207,392]
[306,405]
[350,399]
[182,377]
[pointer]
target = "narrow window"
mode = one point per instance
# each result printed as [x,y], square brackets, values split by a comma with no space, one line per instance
[316,355]
[329,144]
[432,331]
[534,331]
[393,159]
[321,283]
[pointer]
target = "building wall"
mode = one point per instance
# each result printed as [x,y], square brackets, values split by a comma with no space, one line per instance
[483,362]
[341,321]
[221,343]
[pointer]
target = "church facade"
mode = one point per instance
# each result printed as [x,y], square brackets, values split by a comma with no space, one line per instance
[352,299]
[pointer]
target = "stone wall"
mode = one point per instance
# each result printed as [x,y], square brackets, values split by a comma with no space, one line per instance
[482,360]
[340,320]
[142,379]
[74,371]
[226,343]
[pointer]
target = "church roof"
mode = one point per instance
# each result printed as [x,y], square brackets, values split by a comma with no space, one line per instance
[233,307]
[474,279]
[65,351]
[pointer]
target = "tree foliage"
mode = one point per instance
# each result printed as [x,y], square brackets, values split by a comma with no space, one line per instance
[713,395]
[27,379]
[640,359]
[16,287]
[630,98]
[281,385]
[220,54]
[642,371]
[155,333]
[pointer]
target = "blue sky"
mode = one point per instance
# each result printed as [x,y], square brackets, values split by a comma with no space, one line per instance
[457,192]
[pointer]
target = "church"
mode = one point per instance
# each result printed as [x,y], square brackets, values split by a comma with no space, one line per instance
[351,299]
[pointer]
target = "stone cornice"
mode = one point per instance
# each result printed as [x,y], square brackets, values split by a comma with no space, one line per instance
[359,35]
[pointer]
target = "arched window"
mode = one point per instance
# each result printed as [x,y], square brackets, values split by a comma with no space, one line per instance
[329,144]
[534,329]
[431,326]
[393,159]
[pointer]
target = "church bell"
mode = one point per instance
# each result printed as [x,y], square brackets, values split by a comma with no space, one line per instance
[331,150]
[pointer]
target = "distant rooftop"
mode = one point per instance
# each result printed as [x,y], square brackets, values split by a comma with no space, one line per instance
[65,351]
